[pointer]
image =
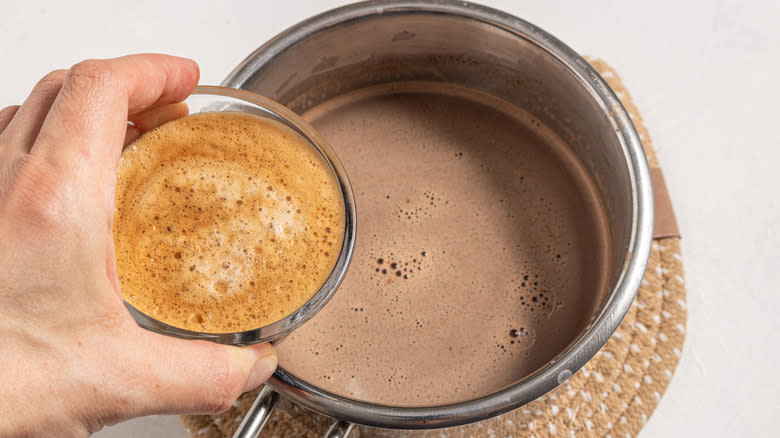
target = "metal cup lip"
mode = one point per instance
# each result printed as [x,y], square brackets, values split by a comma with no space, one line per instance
[278,329]
[617,304]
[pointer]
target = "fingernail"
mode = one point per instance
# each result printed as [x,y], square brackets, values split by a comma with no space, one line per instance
[263,368]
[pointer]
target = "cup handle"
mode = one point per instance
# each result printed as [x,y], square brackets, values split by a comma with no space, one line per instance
[258,414]
[338,429]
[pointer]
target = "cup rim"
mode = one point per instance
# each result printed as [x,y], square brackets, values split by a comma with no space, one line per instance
[284,326]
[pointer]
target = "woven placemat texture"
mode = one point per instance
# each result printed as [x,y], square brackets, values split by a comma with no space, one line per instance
[613,395]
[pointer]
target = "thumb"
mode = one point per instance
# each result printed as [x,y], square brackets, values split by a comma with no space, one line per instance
[199,377]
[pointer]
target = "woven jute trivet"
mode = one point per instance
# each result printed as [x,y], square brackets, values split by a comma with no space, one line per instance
[612,395]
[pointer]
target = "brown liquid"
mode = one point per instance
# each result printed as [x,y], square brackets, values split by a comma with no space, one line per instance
[481,249]
[224,222]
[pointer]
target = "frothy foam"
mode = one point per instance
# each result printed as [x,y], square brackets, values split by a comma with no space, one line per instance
[481,249]
[224,222]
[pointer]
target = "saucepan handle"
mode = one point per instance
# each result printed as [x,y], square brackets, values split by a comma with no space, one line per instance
[339,429]
[261,410]
[258,414]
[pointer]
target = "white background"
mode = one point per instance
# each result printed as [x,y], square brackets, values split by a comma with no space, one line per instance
[704,75]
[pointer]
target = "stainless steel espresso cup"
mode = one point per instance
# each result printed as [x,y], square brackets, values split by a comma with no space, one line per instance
[378,42]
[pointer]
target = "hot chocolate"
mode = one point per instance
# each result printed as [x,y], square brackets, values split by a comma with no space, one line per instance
[224,222]
[481,249]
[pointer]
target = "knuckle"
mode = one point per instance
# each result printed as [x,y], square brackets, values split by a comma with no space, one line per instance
[52,80]
[36,194]
[228,384]
[6,115]
[8,112]
[9,173]
[90,73]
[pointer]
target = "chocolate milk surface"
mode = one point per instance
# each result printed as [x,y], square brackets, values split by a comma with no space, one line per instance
[481,249]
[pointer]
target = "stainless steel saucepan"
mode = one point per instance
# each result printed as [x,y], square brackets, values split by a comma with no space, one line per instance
[377,42]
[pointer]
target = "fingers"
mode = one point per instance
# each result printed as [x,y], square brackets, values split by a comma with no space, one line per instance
[6,114]
[154,117]
[85,129]
[201,377]
[23,129]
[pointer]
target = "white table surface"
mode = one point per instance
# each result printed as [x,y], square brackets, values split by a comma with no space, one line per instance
[705,77]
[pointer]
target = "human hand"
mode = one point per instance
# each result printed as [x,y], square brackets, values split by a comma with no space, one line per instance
[73,358]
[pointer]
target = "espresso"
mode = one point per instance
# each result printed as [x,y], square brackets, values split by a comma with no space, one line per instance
[224,222]
[481,249]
